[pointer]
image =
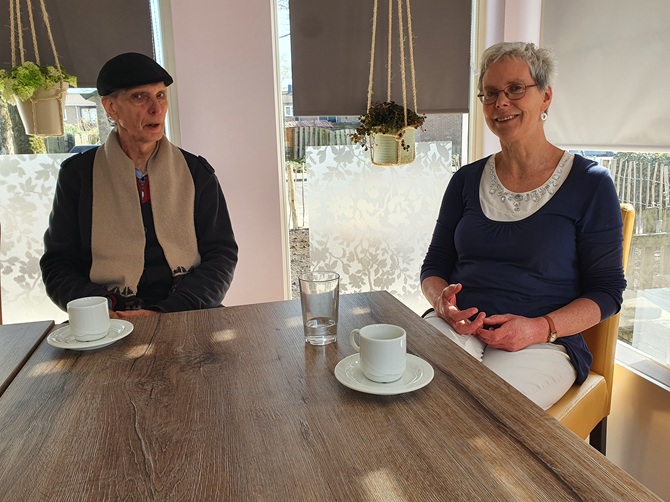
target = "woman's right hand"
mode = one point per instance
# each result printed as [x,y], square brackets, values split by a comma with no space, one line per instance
[445,306]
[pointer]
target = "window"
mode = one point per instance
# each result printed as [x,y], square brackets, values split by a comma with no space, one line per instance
[29,166]
[643,180]
[89,115]
[595,115]
[340,216]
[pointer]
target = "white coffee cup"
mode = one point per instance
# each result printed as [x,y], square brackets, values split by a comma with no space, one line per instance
[383,349]
[89,318]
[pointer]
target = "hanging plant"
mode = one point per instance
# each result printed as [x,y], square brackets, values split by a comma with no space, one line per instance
[21,82]
[39,95]
[388,118]
[388,128]
[37,90]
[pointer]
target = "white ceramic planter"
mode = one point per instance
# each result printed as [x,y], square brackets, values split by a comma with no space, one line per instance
[388,149]
[42,114]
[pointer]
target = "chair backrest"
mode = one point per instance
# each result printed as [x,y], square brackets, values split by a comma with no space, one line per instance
[602,338]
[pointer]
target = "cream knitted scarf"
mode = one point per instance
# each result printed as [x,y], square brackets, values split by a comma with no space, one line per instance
[117,233]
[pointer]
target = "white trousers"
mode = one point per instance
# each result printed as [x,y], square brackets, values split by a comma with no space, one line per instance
[542,372]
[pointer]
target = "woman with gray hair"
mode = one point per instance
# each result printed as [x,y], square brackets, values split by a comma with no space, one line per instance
[526,252]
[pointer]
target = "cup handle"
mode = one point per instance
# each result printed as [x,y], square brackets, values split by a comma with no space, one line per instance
[352,339]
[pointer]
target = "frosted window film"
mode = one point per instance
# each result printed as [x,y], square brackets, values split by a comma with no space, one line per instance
[27,184]
[371,224]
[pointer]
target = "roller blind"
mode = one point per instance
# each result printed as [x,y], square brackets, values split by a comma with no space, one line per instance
[86,33]
[613,74]
[330,52]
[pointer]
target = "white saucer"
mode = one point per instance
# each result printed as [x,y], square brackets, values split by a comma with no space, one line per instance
[418,374]
[64,339]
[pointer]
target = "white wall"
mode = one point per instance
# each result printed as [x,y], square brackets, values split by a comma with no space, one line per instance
[227,101]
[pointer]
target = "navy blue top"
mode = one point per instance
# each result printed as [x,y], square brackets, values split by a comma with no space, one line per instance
[570,248]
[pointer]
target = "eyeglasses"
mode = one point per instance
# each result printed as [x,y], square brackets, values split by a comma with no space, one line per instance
[512,91]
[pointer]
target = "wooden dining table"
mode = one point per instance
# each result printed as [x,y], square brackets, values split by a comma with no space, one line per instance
[231,404]
[17,343]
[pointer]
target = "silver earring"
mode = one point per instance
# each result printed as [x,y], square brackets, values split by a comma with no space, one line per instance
[544,116]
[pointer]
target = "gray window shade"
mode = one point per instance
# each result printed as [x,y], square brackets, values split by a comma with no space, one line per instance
[86,33]
[613,72]
[330,52]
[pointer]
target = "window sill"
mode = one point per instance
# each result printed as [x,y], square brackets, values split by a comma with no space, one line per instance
[640,364]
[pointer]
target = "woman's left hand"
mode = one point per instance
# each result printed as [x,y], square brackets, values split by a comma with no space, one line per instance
[513,332]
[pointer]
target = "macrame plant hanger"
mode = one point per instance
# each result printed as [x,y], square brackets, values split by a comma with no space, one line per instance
[394,149]
[42,113]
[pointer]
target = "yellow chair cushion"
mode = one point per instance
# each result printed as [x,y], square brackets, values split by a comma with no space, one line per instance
[583,405]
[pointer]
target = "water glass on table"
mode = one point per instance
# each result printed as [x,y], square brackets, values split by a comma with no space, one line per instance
[319,298]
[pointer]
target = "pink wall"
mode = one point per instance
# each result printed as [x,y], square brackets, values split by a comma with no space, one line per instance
[226,92]
[508,21]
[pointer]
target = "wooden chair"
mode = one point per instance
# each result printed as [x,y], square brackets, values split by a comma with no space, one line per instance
[584,408]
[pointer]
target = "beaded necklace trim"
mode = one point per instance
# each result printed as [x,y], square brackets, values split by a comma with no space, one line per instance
[501,204]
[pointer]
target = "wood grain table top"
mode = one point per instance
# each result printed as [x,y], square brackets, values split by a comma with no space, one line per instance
[231,404]
[17,343]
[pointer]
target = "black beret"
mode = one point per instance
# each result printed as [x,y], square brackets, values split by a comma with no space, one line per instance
[130,70]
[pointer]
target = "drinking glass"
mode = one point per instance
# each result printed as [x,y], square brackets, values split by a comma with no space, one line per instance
[319,298]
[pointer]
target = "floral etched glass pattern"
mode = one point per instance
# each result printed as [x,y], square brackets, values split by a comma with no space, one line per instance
[372,224]
[27,184]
